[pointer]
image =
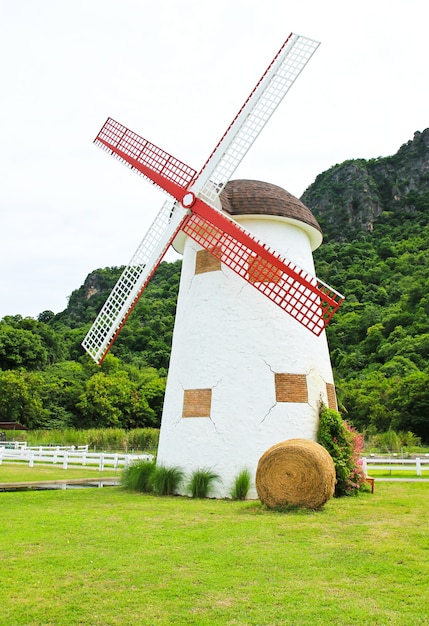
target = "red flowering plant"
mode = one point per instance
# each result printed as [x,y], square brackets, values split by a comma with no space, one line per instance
[345,446]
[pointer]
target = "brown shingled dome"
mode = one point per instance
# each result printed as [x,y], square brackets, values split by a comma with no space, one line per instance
[250,197]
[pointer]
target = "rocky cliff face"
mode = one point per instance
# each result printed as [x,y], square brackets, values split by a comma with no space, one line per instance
[348,198]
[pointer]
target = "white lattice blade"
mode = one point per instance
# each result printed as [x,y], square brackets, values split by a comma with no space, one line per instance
[133,279]
[255,113]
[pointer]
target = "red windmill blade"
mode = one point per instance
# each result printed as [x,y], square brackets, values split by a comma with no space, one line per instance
[304,297]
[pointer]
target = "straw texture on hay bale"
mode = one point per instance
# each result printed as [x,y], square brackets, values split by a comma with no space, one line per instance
[296,472]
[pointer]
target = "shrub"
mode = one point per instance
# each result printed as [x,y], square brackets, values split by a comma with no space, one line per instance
[388,441]
[166,480]
[138,476]
[344,445]
[201,483]
[410,441]
[241,485]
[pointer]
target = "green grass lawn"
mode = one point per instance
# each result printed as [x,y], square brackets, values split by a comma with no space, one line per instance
[18,472]
[104,557]
[397,473]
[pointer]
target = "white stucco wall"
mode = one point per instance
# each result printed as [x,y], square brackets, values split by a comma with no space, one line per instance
[232,339]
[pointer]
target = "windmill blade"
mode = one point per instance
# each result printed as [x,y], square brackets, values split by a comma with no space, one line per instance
[303,296]
[279,77]
[146,159]
[133,280]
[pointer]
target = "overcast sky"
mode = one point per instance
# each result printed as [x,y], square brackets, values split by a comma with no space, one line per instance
[177,73]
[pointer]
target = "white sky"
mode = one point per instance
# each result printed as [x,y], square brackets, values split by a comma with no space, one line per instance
[177,72]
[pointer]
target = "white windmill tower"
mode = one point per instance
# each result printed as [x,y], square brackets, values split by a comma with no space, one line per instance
[244,374]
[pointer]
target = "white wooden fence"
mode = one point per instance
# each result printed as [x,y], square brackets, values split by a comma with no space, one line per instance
[395,463]
[14,444]
[79,456]
[67,456]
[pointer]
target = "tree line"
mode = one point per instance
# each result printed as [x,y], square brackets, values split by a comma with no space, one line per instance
[47,381]
[379,339]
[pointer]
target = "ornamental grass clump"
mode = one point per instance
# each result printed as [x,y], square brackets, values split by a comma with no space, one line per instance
[138,476]
[345,446]
[241,485]
[166,481]
[202,482]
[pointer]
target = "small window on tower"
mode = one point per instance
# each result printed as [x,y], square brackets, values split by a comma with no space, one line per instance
[291,388]
[262,271]
[197,403]
[206,262]
[332,398]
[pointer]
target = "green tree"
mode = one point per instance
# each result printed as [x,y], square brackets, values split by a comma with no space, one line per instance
[114,401]
[26,342]
[367,401]
[21,348]
[63,384]
[20,398]
[409,404]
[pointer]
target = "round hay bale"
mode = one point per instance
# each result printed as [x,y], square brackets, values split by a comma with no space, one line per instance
[296,472]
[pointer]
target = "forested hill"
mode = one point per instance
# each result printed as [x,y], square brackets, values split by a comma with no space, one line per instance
[375,216]
[349,199]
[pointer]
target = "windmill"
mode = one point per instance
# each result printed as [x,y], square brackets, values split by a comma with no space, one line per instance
[194,220]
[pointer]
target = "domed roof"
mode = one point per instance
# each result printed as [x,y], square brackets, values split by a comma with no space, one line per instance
[253,197]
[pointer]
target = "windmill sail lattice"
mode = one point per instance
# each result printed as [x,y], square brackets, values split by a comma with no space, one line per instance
[303,296]
[146,159]
[306,298]
[133,280]
[279,77]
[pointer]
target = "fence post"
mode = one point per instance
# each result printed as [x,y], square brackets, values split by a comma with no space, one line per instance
[101,466]
[418,467]
[364,466]
[65,459]
[31,459]
[84,457]
[115,461]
